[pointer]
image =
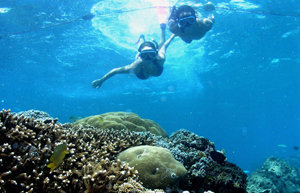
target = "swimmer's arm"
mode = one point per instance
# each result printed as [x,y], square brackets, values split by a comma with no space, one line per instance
[162,51]
[163,35]
[120,70]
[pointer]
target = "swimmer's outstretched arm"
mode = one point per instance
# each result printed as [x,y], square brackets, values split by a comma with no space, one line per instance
[121,70]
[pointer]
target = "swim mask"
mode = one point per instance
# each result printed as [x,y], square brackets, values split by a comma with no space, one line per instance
[148,54]
[186,21]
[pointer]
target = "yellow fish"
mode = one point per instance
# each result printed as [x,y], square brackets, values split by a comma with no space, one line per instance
[100,119]
[57,156]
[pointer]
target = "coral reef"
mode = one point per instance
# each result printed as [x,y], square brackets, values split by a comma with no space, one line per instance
[276,175]
[207,168]
[222,178]
[156,165]
[37,115]
[89,166]
[122,120]
[189,148]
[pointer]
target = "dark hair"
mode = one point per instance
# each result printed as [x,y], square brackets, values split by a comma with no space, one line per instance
[173,13]
[148,44]
[185,8]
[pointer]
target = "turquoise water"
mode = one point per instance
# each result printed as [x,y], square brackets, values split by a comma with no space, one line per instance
[238,86]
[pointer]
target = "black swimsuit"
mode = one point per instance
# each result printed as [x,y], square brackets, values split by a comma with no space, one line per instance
[159,70]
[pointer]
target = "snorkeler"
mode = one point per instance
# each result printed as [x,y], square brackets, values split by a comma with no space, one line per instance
[184,23]
[149,61]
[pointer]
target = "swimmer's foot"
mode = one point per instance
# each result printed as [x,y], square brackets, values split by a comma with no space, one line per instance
[97,83]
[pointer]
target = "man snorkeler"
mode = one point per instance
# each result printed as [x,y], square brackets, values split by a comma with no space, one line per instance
[184,23]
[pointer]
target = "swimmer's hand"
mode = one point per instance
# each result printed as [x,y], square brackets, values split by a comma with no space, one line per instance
[211,17]
[97,83]
[209,7]
[163,26]
[88,16]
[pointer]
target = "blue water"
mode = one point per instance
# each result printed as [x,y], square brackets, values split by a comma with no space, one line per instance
[238,86]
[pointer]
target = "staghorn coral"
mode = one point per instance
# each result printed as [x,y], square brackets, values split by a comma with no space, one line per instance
[129,186]
[122,120]
[90,165]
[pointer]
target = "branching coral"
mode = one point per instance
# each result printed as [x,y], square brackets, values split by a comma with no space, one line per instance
[90,165]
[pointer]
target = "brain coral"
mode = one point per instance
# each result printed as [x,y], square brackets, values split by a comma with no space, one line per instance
[156,166]
[122,120]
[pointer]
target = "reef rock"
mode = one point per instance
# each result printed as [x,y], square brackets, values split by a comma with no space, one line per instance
[156,166]
[122,120]
[276,175]
[207,168]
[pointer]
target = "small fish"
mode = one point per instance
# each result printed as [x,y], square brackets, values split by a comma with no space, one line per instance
[57,156]
[100,119]
[282,145]
[247,172]
[296,148]
[74,118]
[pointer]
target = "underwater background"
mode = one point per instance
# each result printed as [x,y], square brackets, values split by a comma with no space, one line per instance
[238,86]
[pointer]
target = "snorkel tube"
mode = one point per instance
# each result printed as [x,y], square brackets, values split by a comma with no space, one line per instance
[144,40]
[141,37]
